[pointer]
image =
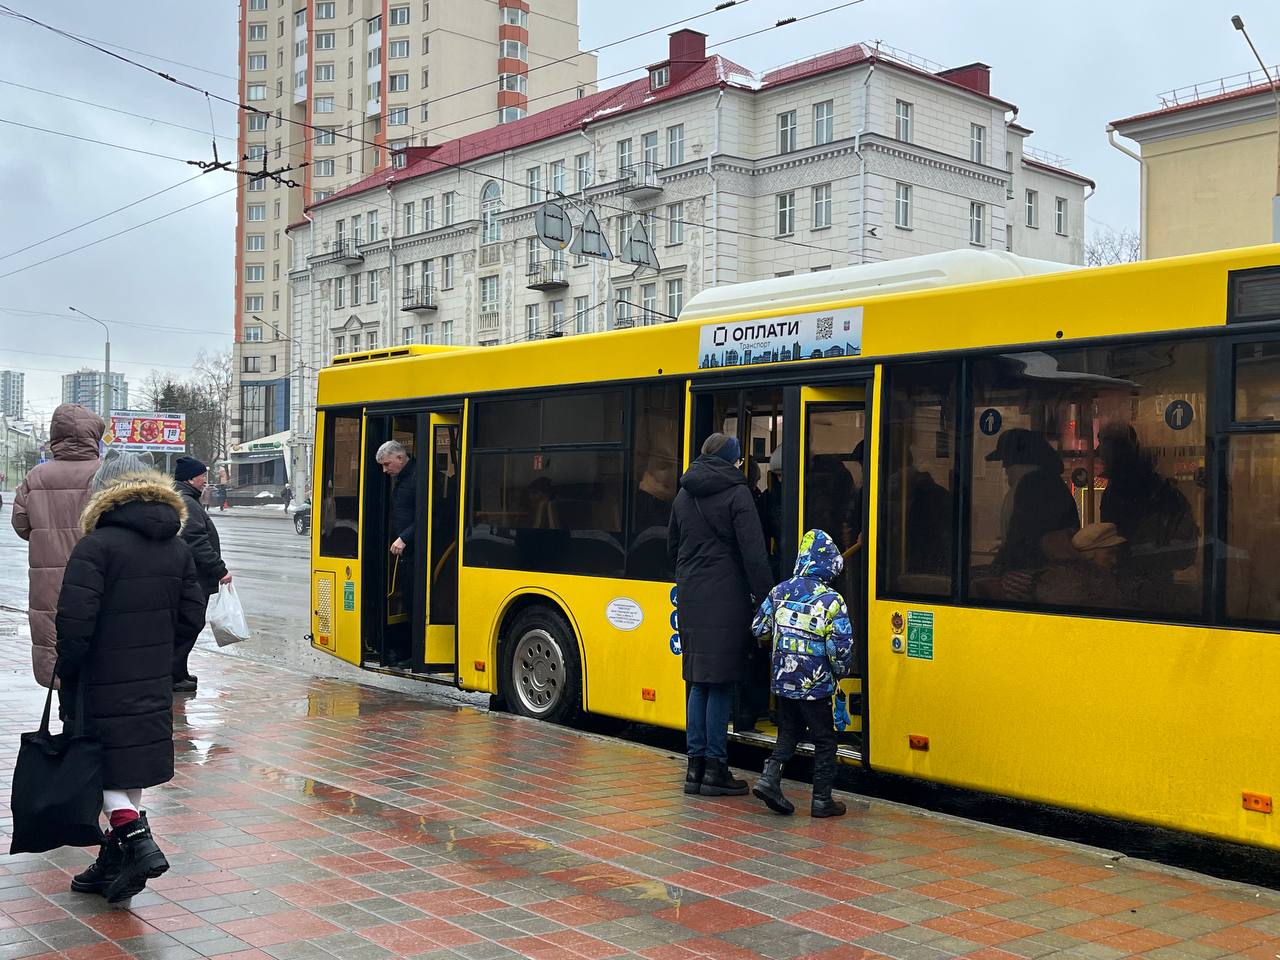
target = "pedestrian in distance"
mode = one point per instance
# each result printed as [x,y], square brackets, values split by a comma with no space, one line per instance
[46,513]
[130,595]
[807,623]
[722,570]
[190,477]
[287,496]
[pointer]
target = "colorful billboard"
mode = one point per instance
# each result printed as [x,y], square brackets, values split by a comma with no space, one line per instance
[143,432]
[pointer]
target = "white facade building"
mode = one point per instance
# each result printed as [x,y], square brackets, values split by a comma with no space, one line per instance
[85,387]
[849,157]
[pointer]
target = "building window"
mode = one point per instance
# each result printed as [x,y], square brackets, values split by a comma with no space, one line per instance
[324,105]
[446,209]
[532,324]
[1060,216]
[624,157]
[514,50]
[675,297]
[324,168]
[622,307]
[354,284]
[339,344]
[355,342]
[659,77]
[373,339]
[373,285]
[428,276]
[406,335]
[325,41]
[557,177]
[252,334]
[373,225]
[675,224]
[649,149]
[339,292]
[902,128]
[325,137]
[409,225]
[515,17]
[253,304]
[1032,204]
[977,143]
[446,273]
[398,50]
[446,332]
[398,83]
[428,213]
[428,334]
[373,58]
[977,230]
[375,24]
[786,214]
[513,83]
[582,315]
[326,11]
[257,122]
[557,315]
[257,91]
[675,145]
[902,206]
[251,365]
[583,163]
[490,207]
[787,132]
[823,122]
[399,16]
[649,303]
[257,61]
[821,206]
[397,117]
[373,92]
[1008,166]
[511,114]
[255,242]
[533,180]
[532,254]
[256,211]
[624,231]
[257,4]
[257,31]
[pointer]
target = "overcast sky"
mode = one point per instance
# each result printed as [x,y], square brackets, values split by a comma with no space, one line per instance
[1070,68]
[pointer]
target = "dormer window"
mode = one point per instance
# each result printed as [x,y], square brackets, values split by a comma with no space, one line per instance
[659,77]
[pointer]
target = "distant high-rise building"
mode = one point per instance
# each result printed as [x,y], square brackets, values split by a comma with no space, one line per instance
[11,393]
[85,388]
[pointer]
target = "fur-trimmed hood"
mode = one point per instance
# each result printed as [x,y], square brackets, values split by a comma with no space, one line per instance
[139,500]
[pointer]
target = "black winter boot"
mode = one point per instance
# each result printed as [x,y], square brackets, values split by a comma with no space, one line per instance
[102,871]
[824,775]
[141,860]
[693,778]
[769,789]
[717,781]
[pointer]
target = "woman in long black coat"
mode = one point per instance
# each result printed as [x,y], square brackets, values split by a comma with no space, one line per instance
[722,569]
[129,594]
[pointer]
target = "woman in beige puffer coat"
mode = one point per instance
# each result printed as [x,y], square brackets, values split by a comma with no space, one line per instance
[46,513]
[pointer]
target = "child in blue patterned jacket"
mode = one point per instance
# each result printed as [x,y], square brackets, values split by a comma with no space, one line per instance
[808,624]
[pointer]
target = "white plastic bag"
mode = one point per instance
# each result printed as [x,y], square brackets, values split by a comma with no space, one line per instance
[226,616]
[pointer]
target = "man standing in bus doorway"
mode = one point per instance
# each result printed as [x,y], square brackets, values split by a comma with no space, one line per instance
[722,570]
[400,467]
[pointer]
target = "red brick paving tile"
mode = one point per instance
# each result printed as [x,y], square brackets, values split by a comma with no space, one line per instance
[1138,941]
[845,951]
[990,953]
[322,893]
[280,928]
[39,915]
[96,951]
[119,925]
[399,940]
[185,922]
[717,949]
[441,932]
[1235,938]
[1233,911]
[584,945]
[1094,931]
[537,948]
[246,955]
[1107,904]
[712,916]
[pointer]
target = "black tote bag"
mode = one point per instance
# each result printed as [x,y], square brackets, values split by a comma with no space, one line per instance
[57,786]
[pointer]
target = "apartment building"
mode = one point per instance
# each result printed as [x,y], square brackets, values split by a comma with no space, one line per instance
[85,387]
[859,155]
[341,85]
[12,396]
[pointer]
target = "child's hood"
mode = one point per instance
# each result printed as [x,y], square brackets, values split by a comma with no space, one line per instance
[819,557]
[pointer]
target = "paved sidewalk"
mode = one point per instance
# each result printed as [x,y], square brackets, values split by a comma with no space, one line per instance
[318,818]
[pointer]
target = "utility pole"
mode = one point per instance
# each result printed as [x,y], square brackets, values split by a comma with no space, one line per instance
[106,362]
[1238,23]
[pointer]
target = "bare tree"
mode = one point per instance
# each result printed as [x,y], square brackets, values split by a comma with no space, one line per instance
[1108,246]
[216,376]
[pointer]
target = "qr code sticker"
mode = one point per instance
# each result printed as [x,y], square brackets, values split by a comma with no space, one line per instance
[825,328]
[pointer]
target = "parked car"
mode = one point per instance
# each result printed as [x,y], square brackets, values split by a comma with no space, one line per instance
[302,518]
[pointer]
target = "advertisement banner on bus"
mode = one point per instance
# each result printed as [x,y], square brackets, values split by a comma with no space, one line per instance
[146,432]
[797,336]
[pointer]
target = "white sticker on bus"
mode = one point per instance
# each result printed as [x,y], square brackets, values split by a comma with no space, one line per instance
[624,613]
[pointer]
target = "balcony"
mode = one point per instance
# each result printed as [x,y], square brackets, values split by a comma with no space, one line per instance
[488,321]
[546,275]
[339,251]
[640,180]
[417,299]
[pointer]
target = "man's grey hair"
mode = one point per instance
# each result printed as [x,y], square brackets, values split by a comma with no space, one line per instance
[390,449]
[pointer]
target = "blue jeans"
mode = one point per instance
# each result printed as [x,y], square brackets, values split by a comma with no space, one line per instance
[707,720]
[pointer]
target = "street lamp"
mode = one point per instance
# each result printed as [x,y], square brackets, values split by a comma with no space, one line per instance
[1275,92]
[106,372]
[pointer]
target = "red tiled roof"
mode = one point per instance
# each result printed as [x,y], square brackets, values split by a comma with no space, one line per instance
[716,71]
[1192,105]
[1060,171]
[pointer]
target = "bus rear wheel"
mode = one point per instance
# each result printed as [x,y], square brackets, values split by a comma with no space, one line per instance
[541,675]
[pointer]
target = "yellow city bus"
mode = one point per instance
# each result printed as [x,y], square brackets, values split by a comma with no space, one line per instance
[1056,490]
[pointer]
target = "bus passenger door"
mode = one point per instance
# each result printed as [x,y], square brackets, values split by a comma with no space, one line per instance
[833,498]
[337,587]
[442,455]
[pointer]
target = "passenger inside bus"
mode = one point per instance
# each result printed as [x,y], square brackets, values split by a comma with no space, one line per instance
[1092,571]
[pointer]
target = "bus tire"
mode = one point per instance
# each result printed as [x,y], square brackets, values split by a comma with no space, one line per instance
[541,677]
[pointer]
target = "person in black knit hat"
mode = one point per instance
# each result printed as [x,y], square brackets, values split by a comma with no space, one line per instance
[190,477]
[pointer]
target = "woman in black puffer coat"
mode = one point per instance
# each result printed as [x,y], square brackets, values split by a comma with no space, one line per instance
[717,544]
[129,594]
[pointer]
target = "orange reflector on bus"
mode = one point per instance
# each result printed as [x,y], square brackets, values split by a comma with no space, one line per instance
[648,694]
[1257,802]
[479,666]
[918,742]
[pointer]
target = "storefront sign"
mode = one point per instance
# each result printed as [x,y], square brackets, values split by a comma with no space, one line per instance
[798,336]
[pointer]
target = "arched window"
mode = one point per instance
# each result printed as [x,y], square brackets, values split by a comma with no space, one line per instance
[490,205]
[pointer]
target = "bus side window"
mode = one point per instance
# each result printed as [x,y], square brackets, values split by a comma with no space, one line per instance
[339,511]
[658,427]
[917,480]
